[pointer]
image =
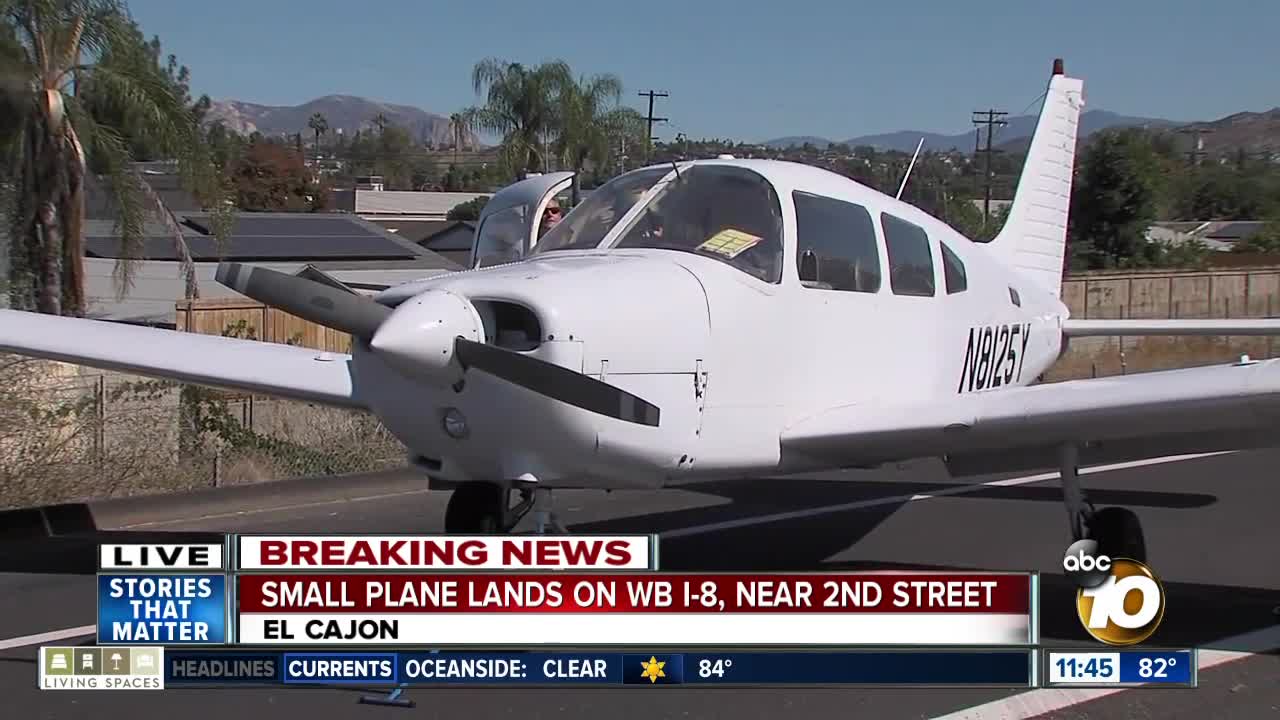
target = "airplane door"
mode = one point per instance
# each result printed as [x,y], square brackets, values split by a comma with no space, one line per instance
[508,225]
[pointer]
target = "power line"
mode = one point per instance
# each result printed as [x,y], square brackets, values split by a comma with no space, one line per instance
[991,121]
[649,138]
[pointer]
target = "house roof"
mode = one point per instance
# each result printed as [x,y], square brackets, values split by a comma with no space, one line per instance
[159,285]
[456,235]
[299,237]
[408,202]
[1238,230]
[415,231]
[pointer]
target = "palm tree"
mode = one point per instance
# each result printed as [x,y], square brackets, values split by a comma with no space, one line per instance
[589,127]
[320,126]
[61,59]
[381,121]
[457,128]
[520,105]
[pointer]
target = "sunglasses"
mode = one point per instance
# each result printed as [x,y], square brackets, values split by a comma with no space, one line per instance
[551,211]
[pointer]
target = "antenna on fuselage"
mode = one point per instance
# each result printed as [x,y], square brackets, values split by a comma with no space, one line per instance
[903,186]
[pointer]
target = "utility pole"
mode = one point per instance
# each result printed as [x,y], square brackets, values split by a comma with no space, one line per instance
[648,143]
[991,121]
[1197,153]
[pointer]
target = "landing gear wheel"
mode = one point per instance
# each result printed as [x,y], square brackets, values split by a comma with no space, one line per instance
[476,508]
[1118,533]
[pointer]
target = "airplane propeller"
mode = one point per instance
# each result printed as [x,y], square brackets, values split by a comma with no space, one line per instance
[406,343]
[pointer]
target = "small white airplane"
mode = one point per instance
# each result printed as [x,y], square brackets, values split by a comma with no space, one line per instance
[721,318]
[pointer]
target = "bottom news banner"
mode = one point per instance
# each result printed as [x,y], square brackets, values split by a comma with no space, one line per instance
[988,668]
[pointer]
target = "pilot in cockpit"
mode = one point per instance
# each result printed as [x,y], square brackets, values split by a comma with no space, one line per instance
[551,216]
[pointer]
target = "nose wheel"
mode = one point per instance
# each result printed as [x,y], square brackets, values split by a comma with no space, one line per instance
[1116,530]
[484,508]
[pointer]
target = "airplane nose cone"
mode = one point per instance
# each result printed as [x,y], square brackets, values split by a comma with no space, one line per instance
[418,338]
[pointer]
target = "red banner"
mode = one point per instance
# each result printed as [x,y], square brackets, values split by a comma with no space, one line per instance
[959,593]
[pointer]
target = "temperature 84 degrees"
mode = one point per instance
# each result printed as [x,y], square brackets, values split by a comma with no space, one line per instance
[704,595]
[713,667]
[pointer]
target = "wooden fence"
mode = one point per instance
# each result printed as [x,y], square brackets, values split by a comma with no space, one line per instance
[252,319]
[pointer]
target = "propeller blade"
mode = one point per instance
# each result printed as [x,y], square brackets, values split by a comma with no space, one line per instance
[556,382]
[310,300]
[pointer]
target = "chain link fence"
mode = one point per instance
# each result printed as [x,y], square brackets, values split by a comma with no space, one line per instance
[73,434]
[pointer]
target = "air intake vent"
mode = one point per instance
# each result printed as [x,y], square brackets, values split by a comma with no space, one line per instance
[509,325]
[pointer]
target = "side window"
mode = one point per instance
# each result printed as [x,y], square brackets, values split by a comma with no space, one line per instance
[836,244]
[953,271]
[910,262]
[502,238]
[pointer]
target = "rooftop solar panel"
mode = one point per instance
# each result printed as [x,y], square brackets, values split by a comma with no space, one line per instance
[269,247]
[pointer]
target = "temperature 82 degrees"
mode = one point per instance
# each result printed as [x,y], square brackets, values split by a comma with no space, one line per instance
[1157,667]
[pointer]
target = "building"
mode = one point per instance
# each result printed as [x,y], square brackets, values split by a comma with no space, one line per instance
[1219,235]
[399,205]
[335,247]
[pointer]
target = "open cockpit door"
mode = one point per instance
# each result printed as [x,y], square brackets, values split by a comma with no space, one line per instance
[508,226]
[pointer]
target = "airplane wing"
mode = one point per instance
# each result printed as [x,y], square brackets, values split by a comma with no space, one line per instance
[1175,412]
[250,365]
[1104,328]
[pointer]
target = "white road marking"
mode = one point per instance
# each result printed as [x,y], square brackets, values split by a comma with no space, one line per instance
[1038,702]
[277,508]
[51,636]
[901,499]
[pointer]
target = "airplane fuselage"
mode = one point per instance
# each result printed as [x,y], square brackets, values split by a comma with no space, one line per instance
[701,339]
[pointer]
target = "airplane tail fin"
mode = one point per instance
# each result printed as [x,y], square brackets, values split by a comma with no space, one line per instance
[1034,237]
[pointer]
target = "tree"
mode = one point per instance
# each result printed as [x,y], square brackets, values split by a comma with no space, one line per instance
[469,210]
[1113,201]
[69,55]
[587,124]
[457,131]
[273,177]
[520,105]
[319,125]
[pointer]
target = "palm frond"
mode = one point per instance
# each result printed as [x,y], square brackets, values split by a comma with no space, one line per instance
[111,153]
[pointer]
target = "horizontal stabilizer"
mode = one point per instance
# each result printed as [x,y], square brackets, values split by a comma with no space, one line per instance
[248,365]
[1110,328]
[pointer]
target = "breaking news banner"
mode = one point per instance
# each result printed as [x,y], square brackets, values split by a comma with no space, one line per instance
[673,609]
[594,591]
[993,668]
[162,594]
[101,668]
[1120,668]
[445,553]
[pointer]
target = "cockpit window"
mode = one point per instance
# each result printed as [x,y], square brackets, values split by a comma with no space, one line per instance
[587,224]
[727,213]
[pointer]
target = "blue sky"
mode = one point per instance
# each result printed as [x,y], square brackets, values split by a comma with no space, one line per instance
[749,70]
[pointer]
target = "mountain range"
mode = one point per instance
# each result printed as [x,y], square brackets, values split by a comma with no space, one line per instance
[1252,131]
[1019,127]
[346,112]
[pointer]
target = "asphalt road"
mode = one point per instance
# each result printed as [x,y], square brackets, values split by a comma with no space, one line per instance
[1210,527]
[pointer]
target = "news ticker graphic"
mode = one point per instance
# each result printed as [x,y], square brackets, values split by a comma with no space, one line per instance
[102,668]
[1120,668]
[673,609]
[938,668]
[396,591]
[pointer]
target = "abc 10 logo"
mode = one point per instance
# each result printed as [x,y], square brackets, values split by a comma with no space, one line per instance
[1119,600]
